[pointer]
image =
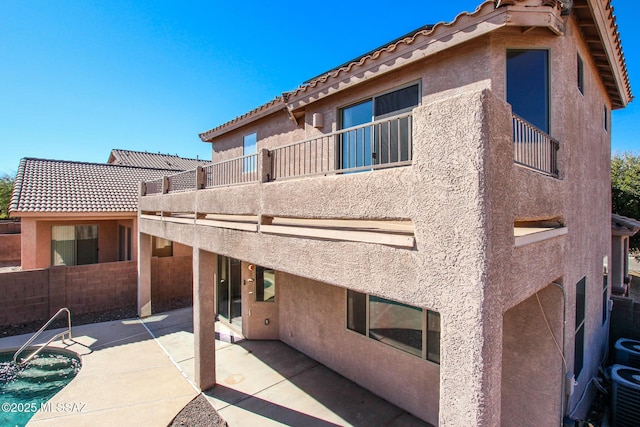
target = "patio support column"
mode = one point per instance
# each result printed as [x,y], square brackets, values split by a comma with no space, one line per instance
[144,275]
[204,331]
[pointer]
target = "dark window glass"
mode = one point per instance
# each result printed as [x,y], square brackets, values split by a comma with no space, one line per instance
[580,300]
[397,101]
[579,337]
[605,298]
[528,86]
[579,351]
[606,118]
[357,312]
[396,324]
[580,75]
[433,336]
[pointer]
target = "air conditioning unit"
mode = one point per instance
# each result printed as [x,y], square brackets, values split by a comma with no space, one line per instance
[628,352]
[625,396]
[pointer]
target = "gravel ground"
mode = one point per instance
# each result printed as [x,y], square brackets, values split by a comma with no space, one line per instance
[198,413]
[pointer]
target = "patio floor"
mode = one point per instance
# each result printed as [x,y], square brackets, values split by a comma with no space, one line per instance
[139,373]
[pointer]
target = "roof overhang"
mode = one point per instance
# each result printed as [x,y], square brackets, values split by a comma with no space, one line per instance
[597,22]
[595,17]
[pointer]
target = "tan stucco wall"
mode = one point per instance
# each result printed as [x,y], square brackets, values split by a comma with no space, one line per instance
[319,330]
[532,364]
[463,194]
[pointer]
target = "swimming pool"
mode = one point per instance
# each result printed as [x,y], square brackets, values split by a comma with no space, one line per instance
[24,390]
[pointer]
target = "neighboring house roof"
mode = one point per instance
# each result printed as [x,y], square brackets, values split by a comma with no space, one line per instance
[594,17]
[624,226]
[153,160]
[63,186]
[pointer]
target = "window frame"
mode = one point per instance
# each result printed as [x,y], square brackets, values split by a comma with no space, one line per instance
[76,228]
[424,351]
[249,166]
[374,160]
[548,77]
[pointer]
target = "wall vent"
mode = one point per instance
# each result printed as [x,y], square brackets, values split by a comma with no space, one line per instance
[625,396]
[628,352]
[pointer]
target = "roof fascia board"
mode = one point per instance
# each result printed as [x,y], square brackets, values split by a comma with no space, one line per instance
[242,121]
[599,15]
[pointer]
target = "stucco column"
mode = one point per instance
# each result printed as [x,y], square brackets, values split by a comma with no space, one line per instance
[144,275]
[462,149]
[204,331]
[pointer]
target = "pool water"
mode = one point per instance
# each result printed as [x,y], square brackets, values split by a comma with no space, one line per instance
[24,390]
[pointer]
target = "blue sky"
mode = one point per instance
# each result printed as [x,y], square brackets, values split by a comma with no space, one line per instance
[78,78]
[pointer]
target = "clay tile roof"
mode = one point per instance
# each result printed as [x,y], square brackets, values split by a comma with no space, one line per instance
[63,186]
[614,75]
[153,160]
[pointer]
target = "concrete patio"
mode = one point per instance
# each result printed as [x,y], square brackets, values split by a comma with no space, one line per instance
[139,373]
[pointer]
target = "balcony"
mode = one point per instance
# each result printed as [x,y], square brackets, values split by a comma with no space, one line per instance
[377,145]
[534,149]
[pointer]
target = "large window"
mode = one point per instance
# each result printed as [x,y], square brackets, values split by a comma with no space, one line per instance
[74,244]
[405,327]
[384,143]
[578,360]
[528,85]
[249,147]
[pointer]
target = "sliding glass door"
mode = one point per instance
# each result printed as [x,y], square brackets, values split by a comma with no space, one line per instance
[229,285]
[386,142]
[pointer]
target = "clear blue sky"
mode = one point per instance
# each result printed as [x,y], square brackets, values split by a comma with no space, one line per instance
[78,78]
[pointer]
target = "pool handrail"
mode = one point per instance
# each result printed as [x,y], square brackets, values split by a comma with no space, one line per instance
[37,334]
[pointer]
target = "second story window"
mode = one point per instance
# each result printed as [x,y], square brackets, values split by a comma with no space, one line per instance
[580,75]
[250,147]
[528,85]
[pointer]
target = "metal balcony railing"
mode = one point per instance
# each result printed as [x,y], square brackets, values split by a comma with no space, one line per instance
[379,144]
[242,170]
[533,148]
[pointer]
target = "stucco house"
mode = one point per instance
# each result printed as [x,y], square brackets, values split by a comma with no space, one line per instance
[430,220]
[79,237]
[77,213]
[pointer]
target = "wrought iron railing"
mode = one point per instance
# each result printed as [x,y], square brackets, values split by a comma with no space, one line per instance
[533,148]
[379,144]
[242,170]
